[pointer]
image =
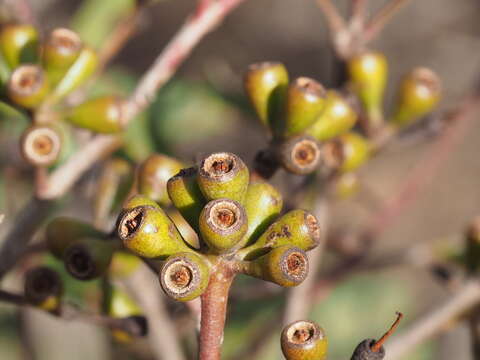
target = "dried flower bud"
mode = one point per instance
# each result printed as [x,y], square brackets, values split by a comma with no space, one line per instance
[185,276]
[27,86]
[223,223]
[18,44]
[419,93]
[43,288]
[304,340]
[223,175]
[40,145]
[153,174]
[304,102]
[265,84]
[102,115]
[336,118]
[300,155]
[346,153]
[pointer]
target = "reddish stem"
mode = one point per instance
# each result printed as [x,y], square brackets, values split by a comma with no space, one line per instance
[214,311]
[378,344]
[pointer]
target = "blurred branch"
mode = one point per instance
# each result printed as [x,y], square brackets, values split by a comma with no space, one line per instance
[22,11]
[336,23]
[436,321]
[358,13]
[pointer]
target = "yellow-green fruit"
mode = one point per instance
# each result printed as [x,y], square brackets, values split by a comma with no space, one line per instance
[41,145]
[300,155]
[101,115]
[419,93]
[336,118]
[188,234]
[368,76]
[285,266]
[296,228]
[265,85]
[153,175]
[262,204]
[304,340]
[223,175]
[80,71]
[123,264]
[304,102]
[346,185]
[88,258]
[59,52]
[347,152]
[43,288]
[147,231]
[185,276]
[61,232]
[186,195]
[139,200]
[223,223]
[27,86]
[18,44]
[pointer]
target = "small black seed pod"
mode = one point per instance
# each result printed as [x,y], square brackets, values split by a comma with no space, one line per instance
[364,351]
[135,325]
[43,288]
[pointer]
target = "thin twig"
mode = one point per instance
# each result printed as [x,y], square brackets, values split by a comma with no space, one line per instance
[381,18]
[336,23]
[358,14]
[433,323]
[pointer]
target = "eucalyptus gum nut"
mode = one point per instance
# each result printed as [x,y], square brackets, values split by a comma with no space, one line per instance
[80,71]
[300,155]
[123,264]
[185,276]
[265,85]
[41,145]
[43,288]
[346,153]
[304,340]
[223,175]
[102,115]
[368,76]
[18,44]
[186,196]
[364,351]
[418,94]
[336,118]
[139,200]
[153,175]
[223,223]
[119,304]
[147,231]
[286,266]
[296,228]
[61,232]
[304,102]
[262,204]
[27,86]
[346,185]
[88,258]
[59,52]
[188,234]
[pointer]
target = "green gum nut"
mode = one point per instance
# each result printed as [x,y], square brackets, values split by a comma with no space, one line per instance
[59,52]
[346,153]
[147,231]
[102,115]
[186,196]
[88,258]
[62,232]
[119,304]
[265,85]
[346,185]
[368,75]
[263,204]
[139,200]
[79,72]
[123,264]
[27,86]
[304,102]
[41,145]
[300,155]
[188,234]
[185,276]
[153,175]
[43,288]
[18,44]
[223,175]
[336,118]
[419,93]
[296,228]
[304,340]
[223,223]
[286,266]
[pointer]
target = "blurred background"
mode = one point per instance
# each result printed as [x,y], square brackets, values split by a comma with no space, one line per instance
[203,109]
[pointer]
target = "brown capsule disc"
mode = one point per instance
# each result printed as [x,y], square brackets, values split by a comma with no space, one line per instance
[80,263]
[26,80]
[220,166]
[294,265]
[130,221]
[180,277]
[225,216]
[41,283]
[428,79]
[65,41]
[333,154]
[41,145]
[300,155]
[301,334]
